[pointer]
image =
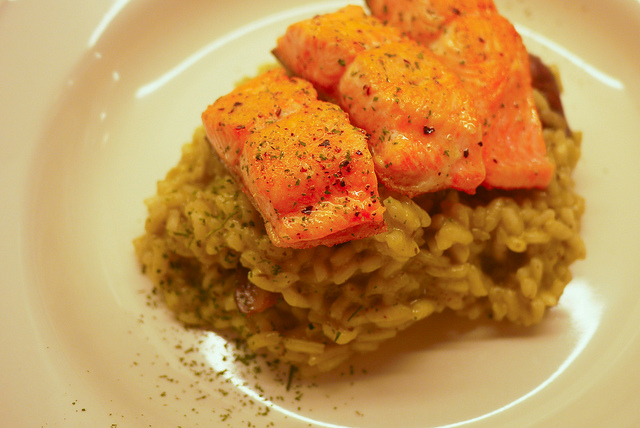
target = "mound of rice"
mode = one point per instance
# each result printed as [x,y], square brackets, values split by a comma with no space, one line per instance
[498,254]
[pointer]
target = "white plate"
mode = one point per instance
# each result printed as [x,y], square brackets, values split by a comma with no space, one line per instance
[97,99]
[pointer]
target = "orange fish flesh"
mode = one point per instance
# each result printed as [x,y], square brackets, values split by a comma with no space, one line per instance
[425,20]
[304,166]
[488,54]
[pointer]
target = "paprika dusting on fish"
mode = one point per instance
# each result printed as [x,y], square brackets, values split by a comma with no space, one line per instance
[305,167]
[251,107]
[425,135]
[488,54]
[319,48]
[426,20]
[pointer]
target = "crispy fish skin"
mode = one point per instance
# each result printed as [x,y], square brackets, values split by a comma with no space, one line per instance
[304,166]
[409,156]
[320,48]
[424,132]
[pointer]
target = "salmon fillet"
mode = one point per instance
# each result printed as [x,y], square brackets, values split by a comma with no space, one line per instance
[493,64]
[320,48]
[425,20]
[425,136]
[251,107]
[488,54]
[424,132]
[304,166]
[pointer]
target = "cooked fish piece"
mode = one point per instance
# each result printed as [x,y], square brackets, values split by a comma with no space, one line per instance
[489,56]
[252,106]
[305,167]
[320,48]
[312,175]
[425,135]
[425,20]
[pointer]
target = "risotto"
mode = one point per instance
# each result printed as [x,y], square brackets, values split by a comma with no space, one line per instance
[499,254]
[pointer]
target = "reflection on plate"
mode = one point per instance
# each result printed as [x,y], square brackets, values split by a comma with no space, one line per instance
[89,345]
